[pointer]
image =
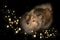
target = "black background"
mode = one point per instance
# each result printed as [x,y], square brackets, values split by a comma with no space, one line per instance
[22,6]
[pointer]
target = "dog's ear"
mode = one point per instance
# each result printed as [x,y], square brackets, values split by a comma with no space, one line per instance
[47,5]
[44,7]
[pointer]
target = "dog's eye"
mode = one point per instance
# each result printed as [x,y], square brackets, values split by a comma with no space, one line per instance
[38,14]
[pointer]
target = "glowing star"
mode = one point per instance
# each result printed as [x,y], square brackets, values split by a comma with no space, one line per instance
[13,11]
[25,33]
[34,36]
[32,31]
[40,37]
[8,16]
[11,22]
[19,28]
[17,20]
[46,31]
[16,32]
[5,16]
[46,37]
[16,23]
[40,33]
[5,6]
[55,30]
[53,34]
[7,26]
[14,16]
[50,34]
[9,19]
[10,25]
[8,11]
[19,17]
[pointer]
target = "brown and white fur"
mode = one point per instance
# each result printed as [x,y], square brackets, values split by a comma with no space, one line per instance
[40,17]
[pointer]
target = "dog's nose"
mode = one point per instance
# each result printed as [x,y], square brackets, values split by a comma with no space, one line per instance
[27,22]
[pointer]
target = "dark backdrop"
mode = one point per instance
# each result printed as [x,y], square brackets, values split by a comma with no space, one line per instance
[22,6]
